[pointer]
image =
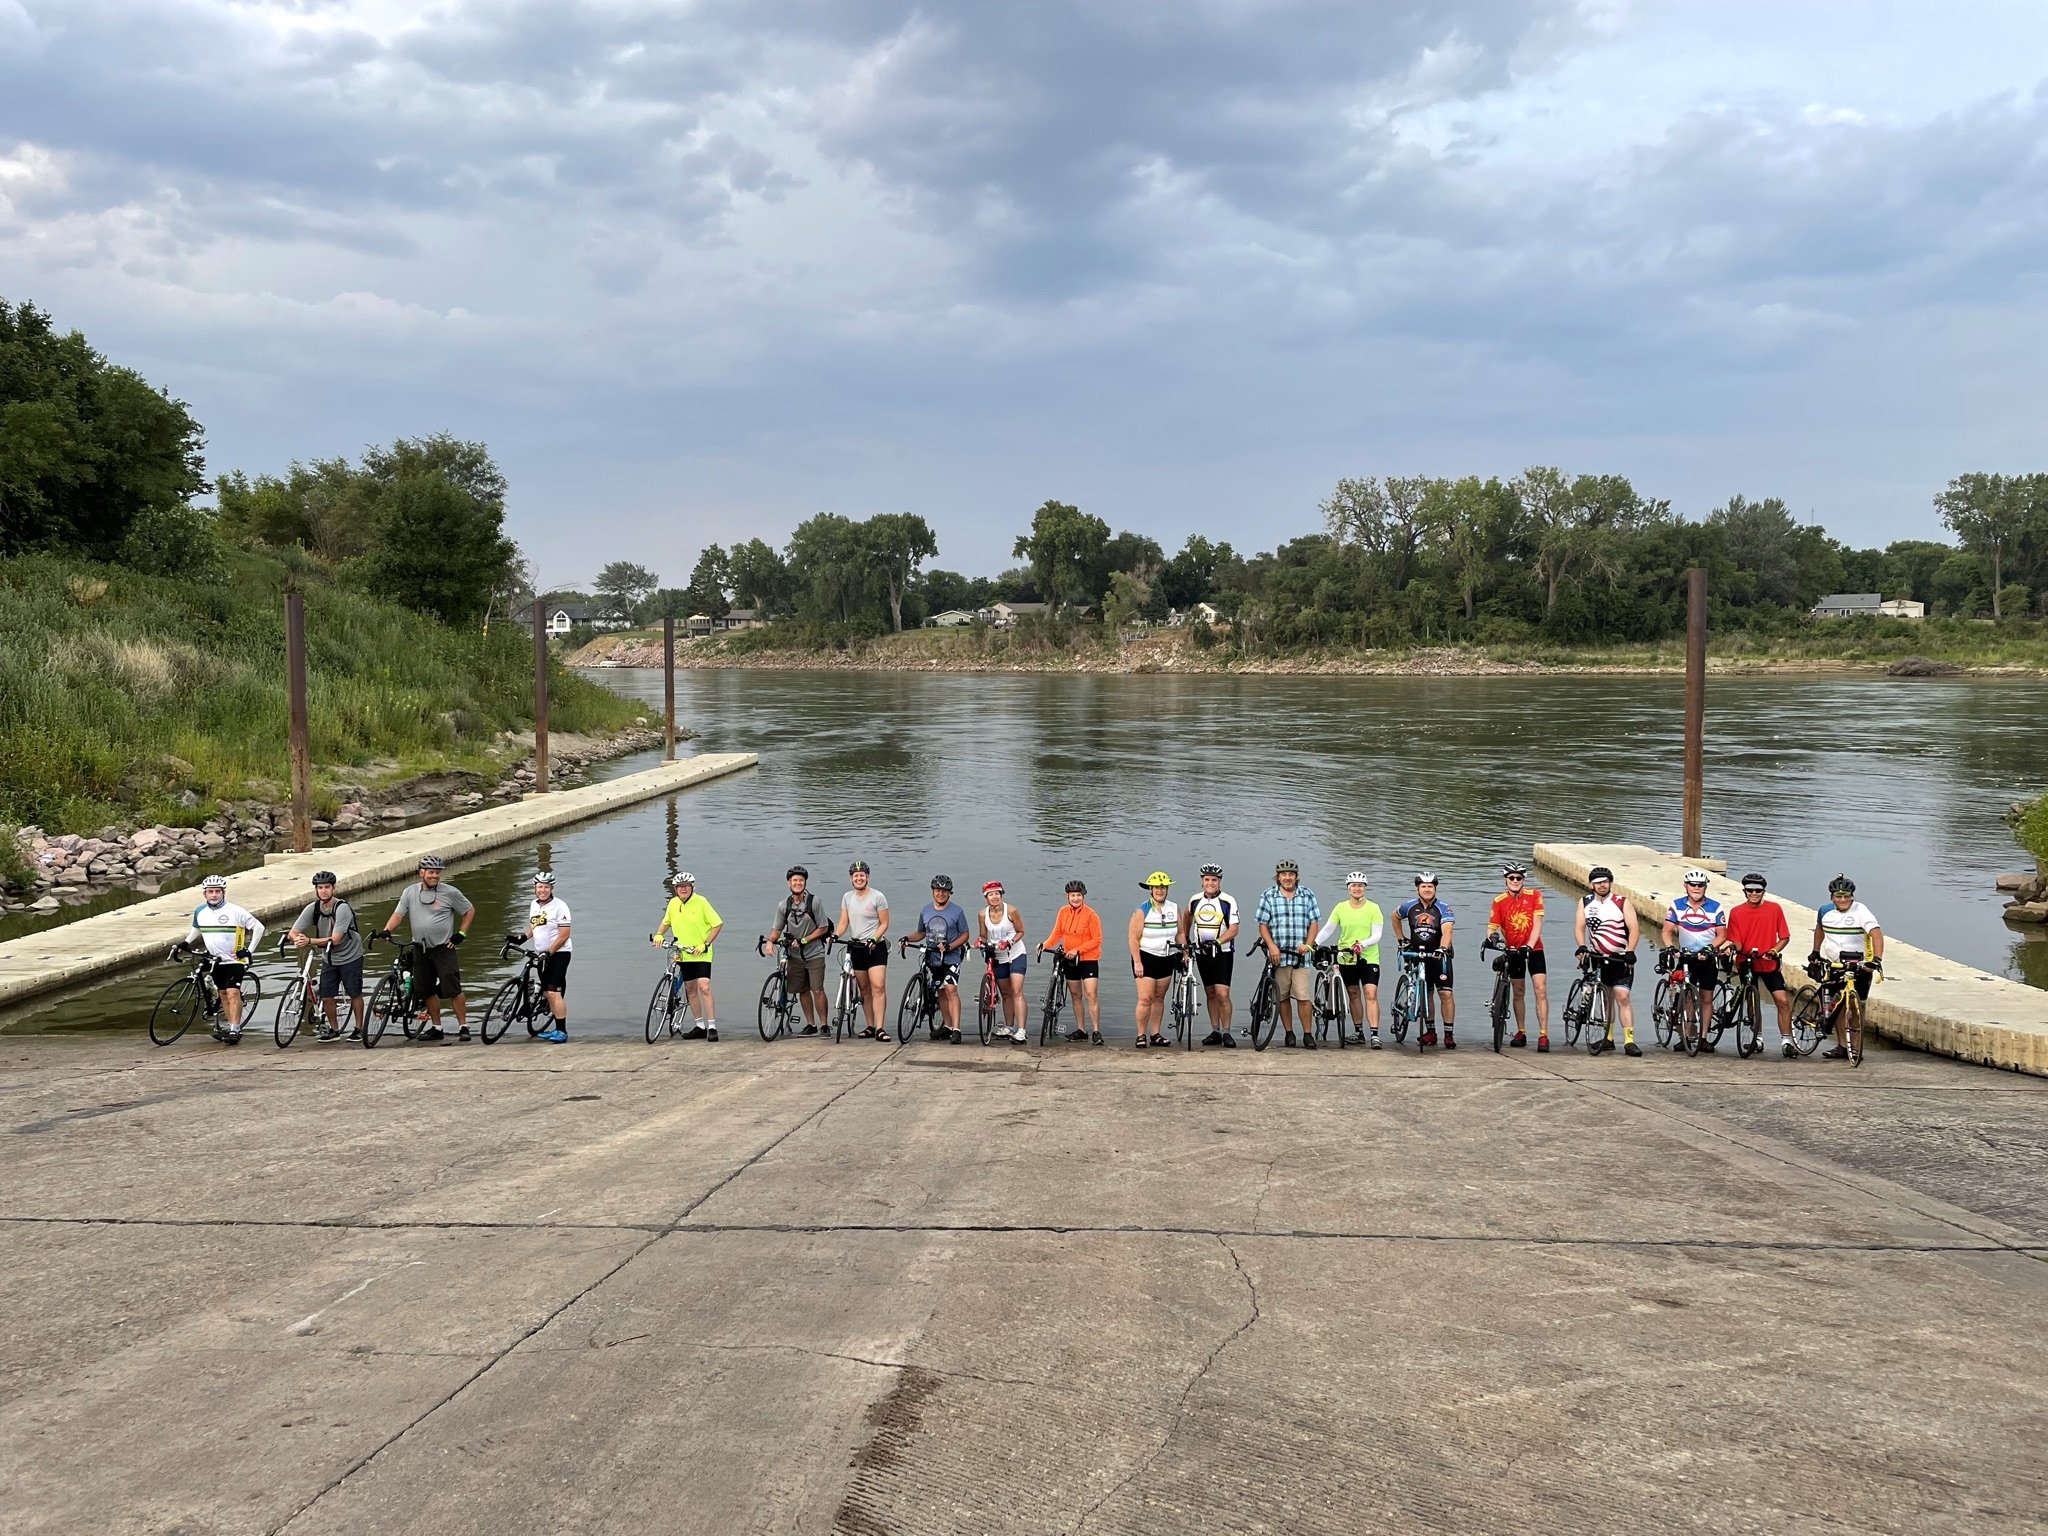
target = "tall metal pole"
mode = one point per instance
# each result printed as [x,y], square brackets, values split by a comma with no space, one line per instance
[1695,706]
[540,698]
[301,730]
[668,681]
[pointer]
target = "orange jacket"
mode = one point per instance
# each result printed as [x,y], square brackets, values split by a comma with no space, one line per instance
[1078,931]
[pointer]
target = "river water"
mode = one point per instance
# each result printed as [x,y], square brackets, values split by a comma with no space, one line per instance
[1037,779]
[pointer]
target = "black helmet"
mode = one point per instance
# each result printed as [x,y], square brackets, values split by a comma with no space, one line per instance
[432,861]
[1425,877]
[1753,881]
[1841,885]
[857,867]
[1512,869]
[324,877]
[1210,869]
[1287,867]
[794,870]
[1077,885]
[942,882]
[1598,873]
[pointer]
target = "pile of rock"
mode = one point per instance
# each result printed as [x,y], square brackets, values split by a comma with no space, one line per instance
[2029,895]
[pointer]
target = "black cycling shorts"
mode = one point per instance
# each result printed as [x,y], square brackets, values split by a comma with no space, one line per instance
[228,974]
[1363,973]
[1701,968]
[1215,969]
[1080,970]
[1436,970]
[868,954]
[1617,970]
[694,970]
[1156,967]
[1527,963]
[554,971]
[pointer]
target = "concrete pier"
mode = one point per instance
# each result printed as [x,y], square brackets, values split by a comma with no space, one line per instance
[56,957]
[1925,1000]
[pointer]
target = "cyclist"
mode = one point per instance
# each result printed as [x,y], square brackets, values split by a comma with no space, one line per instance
[945,943]
[1758,927]
[547,934]
[1076,945]
[1003,926]
[799,915]
[1846,932]
[1694,926]
[696,926]
[1154,930]
[1209,925]
[1516,917]
[440,916]
[864,924]
[1605,926]
[1423,923]
[1354,926]
[329,923]
[1289,916]
[230,935]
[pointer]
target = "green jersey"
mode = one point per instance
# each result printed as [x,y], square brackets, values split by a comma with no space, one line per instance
[1358,925]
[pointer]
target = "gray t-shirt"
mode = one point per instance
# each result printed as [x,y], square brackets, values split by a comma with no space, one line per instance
[863,913]
[432,913]
[796,916]
[341,921]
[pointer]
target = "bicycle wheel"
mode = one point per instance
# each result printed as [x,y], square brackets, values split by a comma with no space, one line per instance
[1749,1022]
[291,1012]
[1407,1004]
[1181,1007]
[176,1011]
[1806,1023]
[1662,1007]
[1499,1010]
[1691,1021]
[845,1008]
[505,1006]
[910,1011]
[1578,1009]
[1262,1012]
[1055,1005]
[986,1006]
[768,1015]
[377,1016]
[1853,1024]
[660,1008]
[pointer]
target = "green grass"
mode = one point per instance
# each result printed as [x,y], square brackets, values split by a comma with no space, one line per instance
[2030,830]
[119,691]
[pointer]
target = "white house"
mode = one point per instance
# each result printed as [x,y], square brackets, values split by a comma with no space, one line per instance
[1902,608]
[1200,613]
[1006,615]
[563,617]
[952,618]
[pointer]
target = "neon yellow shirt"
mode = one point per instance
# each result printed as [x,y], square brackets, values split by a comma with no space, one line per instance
[1353,924]
[690,921]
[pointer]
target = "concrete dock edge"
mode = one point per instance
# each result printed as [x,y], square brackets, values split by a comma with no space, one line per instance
[134,935]
[1925,1000]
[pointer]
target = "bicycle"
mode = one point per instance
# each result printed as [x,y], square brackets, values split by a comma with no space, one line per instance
[1834,1004]
[1501,1007]
[1589,1005]
[391,998]
[181,1004]
[1741,1003]
[989,1003]
[296,1003]
[1691,1017]
[846,1003]
[1414,998]
[1326,997]
[776,1014]
[1055,995]
[1184,996]
[1262,1014]
[519,998]
[669,1010]
[920,1005]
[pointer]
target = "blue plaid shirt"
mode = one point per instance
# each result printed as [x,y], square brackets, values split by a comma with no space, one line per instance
[1291,920]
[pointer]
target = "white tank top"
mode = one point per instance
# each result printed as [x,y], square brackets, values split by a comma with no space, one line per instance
[1003,934]
[1162,929]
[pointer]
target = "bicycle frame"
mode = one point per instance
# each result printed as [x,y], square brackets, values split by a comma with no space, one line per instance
[1055,996]
[923,991]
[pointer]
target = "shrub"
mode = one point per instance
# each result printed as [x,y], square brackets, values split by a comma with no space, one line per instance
[2030,830]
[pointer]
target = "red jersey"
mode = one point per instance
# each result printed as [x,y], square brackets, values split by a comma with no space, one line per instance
[1761,927]
[1514,914]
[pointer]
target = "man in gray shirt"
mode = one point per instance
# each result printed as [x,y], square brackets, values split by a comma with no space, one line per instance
[799,916]
[440,916]
[329,923]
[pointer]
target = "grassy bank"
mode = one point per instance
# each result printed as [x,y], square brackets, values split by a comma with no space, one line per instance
[121,693]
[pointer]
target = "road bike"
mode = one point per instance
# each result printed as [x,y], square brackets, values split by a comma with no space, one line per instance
[1415,998]
[1589,1005]
[391,999]
[1742,1002]
[669,1010]
[519,999]
[776,1013]
[1833,1007]
[919,1008]
[1501,1006]
[1326,997]
[195,995]
[296,1004]
[1690,1016]
[989,1001]
[846,1002]
[1184,995]
[1055,995]
[1263,1012]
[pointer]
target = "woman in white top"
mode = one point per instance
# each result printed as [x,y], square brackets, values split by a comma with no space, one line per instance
[1846,933]
[1154,935]
[1003,926]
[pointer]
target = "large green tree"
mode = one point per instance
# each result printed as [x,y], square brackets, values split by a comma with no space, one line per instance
[436,548]
[622,588]
[1990,515]
[1065,550]
[898,543]
[760,580]
[710,585]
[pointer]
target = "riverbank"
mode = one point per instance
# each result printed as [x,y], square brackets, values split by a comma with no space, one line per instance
[1177,652]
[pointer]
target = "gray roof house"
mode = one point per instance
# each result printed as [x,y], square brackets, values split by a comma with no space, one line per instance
[1848,605]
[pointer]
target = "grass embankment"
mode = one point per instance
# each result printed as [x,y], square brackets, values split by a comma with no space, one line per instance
[120,692]
[1873,643]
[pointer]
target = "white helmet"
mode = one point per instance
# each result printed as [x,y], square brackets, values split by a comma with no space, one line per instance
[213,883]
[1695,876]
[1356,877]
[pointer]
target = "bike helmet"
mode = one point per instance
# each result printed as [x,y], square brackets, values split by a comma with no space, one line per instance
[324,877]
[1356,877]
[682,877]
[1157,877]
[992,885]
[794,870]
[858,867]
[1425,877]
[1841,885]
[214,883]
[1753,881]
[432,861]
[942,882]
[1077,885]
[545,877]
[1598,873]
[1287,867]
[1695,876]
[1507,870]
[1211,869]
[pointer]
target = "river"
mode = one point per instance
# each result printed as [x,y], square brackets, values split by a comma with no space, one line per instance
[1035,779]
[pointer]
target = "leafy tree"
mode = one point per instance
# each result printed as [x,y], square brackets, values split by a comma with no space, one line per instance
[667,603]
[1383,519]
[1862,570]
[1990,515]
[710,582]
[86,448]
[622,587]
[1065,550]
[1958,585]
[1573,525]
[1467,523]
[1788,564]
[897,544]
[759,579]
[1190,576]
[828,569]
[436,548]
[942,590]
[1909,567]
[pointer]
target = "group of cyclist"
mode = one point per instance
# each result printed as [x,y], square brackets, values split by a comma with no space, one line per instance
[1699,937]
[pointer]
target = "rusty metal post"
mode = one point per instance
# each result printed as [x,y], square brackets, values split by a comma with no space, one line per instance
[668,682]
[301,729]
[1695,706]
[540,698]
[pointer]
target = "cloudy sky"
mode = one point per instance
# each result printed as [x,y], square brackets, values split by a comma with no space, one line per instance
[696,269]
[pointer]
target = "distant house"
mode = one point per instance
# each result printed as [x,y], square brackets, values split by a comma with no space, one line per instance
[739,618]
[1848,605]
[561,617]
[1200,613]
[1007,615]
[697,625]
[952,618]
[1902,608]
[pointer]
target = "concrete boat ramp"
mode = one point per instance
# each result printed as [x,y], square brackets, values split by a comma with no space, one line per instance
[134,935]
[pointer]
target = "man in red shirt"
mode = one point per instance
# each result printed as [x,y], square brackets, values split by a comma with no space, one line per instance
[1759,925]
[1517,917]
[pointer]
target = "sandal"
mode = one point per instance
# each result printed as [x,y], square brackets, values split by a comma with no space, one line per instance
[1159,1042]
[879,1034]
[869,1033]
